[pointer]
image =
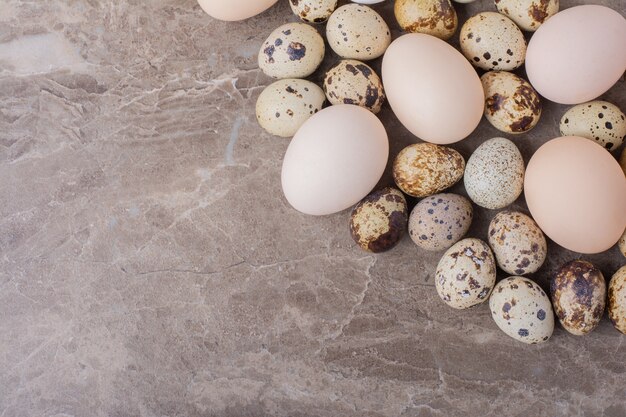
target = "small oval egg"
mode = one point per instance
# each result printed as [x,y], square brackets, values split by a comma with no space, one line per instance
[528,14]
[466,274]
[313,11]
[617,300]
[578,294]
[353,82]
[439,221]
[492,41]
[355,31]
[432,17]
[379,221]
[518,244]
[284,105]
[511,104]
[494,175]
[522,310]
[424,169]
[233,10]
[599,121]
[334,160]
[294,50]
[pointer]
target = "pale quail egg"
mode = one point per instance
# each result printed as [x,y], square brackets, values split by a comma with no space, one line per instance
[617,300]
[313,11]
[528,14]
[622,244]
[353,82]
[432,17]
[599,121]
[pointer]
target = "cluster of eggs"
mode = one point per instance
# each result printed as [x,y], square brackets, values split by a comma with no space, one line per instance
[339,153]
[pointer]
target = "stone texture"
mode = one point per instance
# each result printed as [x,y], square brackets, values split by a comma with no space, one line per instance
[150,266]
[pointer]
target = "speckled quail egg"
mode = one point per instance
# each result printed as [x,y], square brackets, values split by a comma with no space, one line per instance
[528,14]
[355,31]
[284,105]
[432,17]
[518,243]
[378,222]
[599,121]
[522,310]
[353,82]
[622,244]
[439,221]
[511,104]
[424,169]
[494,176]
[492,41]
[466,274]
[294,50]
[313,11]
[617,300]
[578,294]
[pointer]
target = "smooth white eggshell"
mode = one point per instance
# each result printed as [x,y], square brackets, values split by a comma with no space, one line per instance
[232,10]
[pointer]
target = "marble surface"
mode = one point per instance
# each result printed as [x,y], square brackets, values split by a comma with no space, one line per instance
[150,266]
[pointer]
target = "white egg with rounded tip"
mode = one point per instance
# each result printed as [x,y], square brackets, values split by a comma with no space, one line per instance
[367,1]
[600,121]
[234,10]
[528,14]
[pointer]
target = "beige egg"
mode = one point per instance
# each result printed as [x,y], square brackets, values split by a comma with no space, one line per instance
[494,175]
[439,221]
[285,104]
[313,11]
[517,242]
[492,41]
[432,17]
[424,169]
[599,121]
[294,50]
[622,161]
[522,310]
[356,31]
[379,221]
[622,244]
[466,274]
[578,294]
[511,104]
[528,14]
[353,82]
[617,300]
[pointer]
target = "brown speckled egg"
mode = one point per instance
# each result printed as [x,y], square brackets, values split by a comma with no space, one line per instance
[622,244]
[424,169]
[313,11]
[522,310]
[578,295]
[466,274]
[432,17]
[528,14]
[517,242]
[617,300]
[492,41]
[439,221]
[353,82]
[599,121]
[511,104]
[378,222]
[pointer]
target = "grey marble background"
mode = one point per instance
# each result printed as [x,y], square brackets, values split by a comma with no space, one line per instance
[150,266]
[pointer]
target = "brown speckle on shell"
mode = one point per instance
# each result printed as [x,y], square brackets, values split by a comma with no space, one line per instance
[617,300]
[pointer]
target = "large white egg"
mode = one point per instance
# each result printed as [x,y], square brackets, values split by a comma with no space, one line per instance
[334,160]
[232,10]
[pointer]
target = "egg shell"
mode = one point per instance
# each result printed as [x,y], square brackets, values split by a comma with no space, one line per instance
[617,300]
[378,222]
[578,294]
[294,50]
[581,209]
[353,82]
[622,161]
[424,169]
[313,11]
[599,121]
[439,221]
[233,10]
[355,31]
[494,175]
[511,104]
[577,54]
[528,14]
[622,244]
[522,310]
[334,160]
[437,106]
[517,242]
[432,17]
[492,41]
[466,274]
[284,105]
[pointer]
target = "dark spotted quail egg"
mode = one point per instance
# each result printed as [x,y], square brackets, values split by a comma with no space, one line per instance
[599,121]
[528,14]
[522,310]
[617,300]
[353,82]
[432,17]
[313,11]
[378,222]
[466,274]
[578,294]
